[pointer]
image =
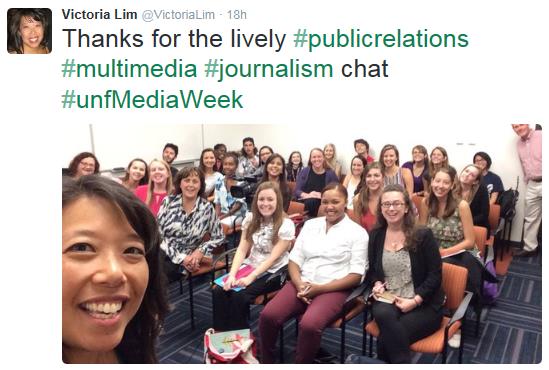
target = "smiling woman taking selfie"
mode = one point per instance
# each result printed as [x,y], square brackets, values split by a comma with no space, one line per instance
[113,298]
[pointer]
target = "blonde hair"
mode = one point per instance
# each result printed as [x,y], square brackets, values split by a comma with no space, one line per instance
[332,163]
[169,181]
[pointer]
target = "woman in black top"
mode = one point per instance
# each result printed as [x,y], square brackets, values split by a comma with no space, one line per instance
[294,166]
[275,171]
[471,189]
[403,260]
[312,180]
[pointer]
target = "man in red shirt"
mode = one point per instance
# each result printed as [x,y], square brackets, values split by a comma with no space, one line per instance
[529,151]
[362,148]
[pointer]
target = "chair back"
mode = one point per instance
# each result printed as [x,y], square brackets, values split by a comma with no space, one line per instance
[416,199]
[493,216]
[291,186]
[480,239]
[296,207]
[454,280]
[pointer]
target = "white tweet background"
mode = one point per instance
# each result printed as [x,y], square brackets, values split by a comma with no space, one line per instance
[500,78]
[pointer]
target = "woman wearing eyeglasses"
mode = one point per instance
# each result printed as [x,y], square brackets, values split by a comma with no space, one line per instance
[404,261]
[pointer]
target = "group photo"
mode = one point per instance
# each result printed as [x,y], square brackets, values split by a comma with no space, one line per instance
[264,243]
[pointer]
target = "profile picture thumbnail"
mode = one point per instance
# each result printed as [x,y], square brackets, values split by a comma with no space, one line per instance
[29,31]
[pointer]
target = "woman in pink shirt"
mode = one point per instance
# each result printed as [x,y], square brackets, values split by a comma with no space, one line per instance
[367,198]
[160,185]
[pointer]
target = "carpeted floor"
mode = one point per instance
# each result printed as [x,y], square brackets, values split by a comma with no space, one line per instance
[510,331]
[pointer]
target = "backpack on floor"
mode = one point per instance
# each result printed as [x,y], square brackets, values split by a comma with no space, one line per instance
[507,201]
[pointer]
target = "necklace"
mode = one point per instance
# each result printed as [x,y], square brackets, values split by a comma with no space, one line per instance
[394,241]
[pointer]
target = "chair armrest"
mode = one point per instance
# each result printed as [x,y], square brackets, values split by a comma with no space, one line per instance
[281,272]
[357,292]
[236,219]
[460,312]
[225,254]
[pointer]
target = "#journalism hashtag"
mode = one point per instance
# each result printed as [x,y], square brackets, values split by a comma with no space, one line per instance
[300,38]
[212,68]
[68,67]
[68,99]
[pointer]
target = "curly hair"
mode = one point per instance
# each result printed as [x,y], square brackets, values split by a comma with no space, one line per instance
[73,166]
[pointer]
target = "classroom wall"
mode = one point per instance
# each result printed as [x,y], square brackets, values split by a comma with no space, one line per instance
[116,145]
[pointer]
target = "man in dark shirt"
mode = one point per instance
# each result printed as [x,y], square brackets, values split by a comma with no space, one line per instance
[169,154]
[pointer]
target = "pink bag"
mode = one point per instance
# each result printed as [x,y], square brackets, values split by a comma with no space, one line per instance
[229,347]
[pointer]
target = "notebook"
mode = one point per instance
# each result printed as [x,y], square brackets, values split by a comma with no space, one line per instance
[385,297]
[243,271]
[454,253]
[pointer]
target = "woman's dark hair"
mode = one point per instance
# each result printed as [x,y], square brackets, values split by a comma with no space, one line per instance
[282,182]
[73,166]
[219,146]
[265,147]
[15,42]
[290,158]
[360,205]
[144,180]
[423,150]
[282,176]
[231,155]
[338,187]
[362,159]
[246,139]
[382,153]
[451,202]
[409,220]
[138,343]
[186,172]
[484,156]
[201,164]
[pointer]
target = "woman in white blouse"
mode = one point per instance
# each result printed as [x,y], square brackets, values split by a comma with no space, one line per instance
[327,261]
[266,236]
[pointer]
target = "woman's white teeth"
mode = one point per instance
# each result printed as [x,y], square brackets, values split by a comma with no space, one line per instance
[103,307]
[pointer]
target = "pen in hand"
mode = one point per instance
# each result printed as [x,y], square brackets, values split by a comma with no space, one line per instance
[374,292]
